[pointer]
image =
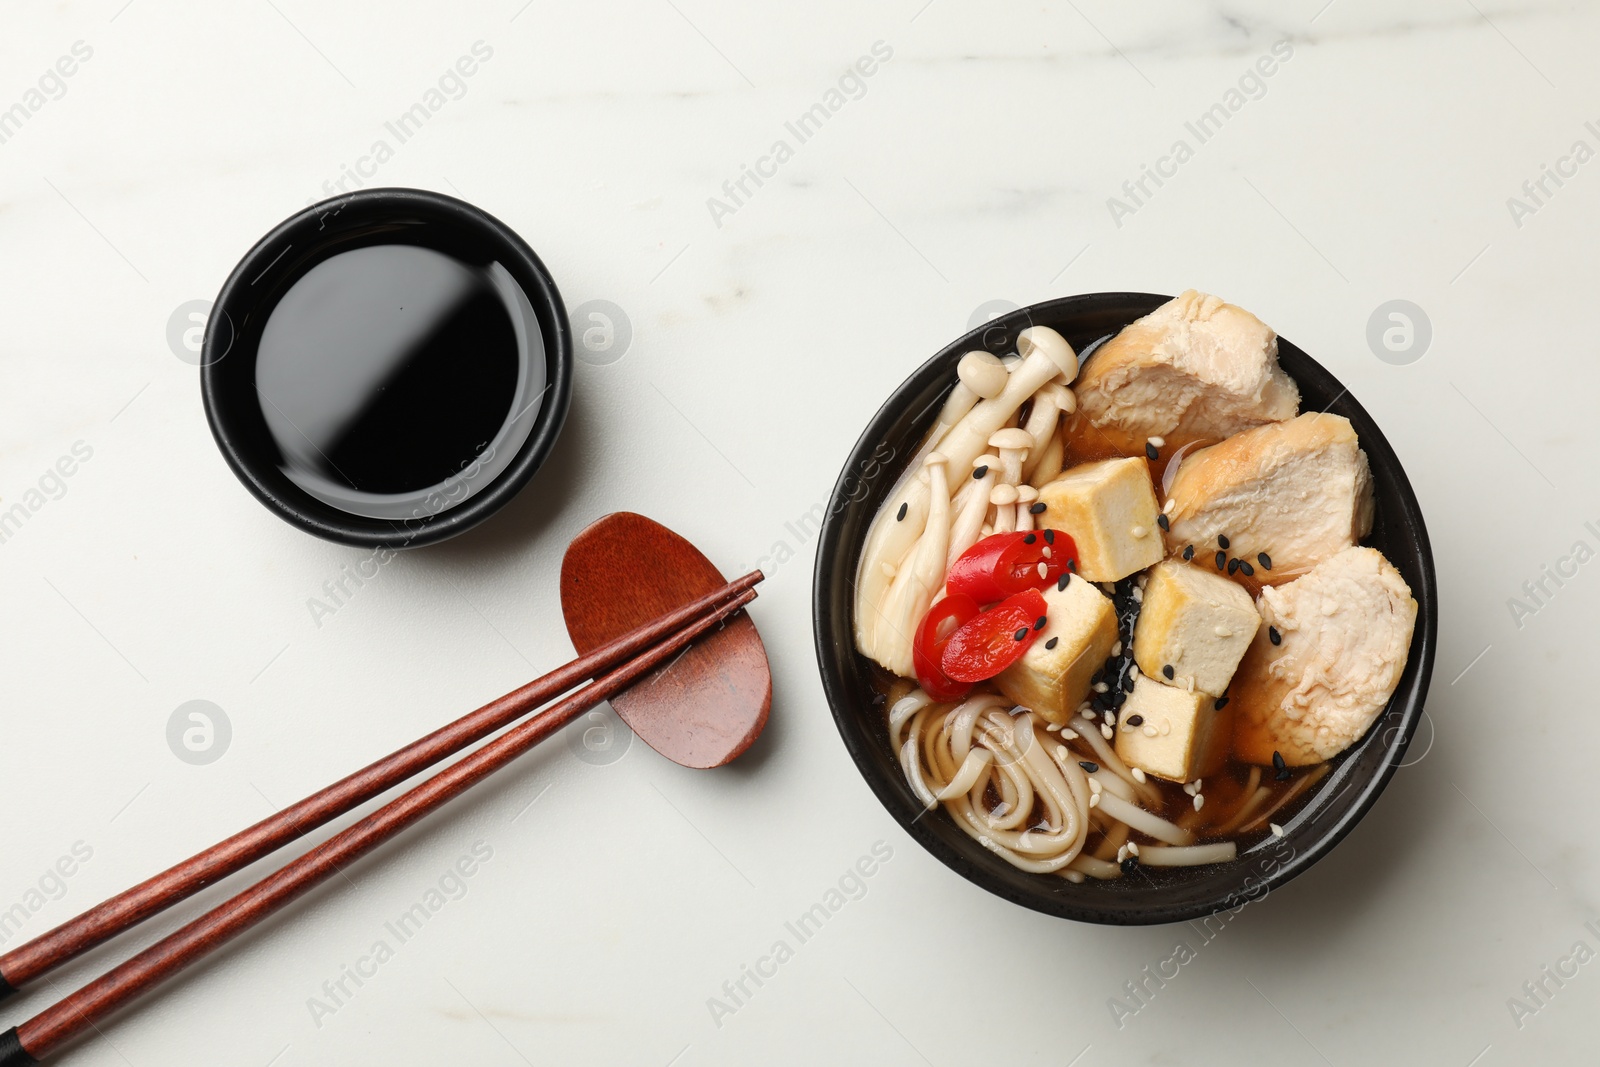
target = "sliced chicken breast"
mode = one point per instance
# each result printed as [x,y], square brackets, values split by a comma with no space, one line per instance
[1195,368]
[1297,491]
[1343,633]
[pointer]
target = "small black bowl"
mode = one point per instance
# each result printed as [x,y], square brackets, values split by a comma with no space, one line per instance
[1333,806]
[443,224]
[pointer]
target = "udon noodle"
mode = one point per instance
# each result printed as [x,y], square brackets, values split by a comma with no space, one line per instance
[1027,792]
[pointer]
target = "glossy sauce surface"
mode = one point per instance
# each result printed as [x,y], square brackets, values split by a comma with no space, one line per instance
[397,380]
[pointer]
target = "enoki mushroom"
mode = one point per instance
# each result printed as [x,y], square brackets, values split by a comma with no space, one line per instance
[912,522]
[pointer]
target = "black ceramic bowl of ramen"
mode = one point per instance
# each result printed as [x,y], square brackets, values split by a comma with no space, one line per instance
[1328,811]
[387,368]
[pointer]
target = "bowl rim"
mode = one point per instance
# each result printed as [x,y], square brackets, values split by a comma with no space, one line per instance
[1410,693]
[301,510]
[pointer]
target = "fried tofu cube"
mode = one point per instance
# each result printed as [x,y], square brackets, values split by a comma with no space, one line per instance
[1173,733]
[1197,623]
[1052,677]
[1109,508]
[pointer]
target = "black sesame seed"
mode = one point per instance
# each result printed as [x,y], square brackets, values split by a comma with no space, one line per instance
[1089,765]
[1161,521]
[1277,761]
[1049,537]
[1129,864]
[979,472]
[1037,509]
[1135,720]
[1030,539]
[1274,636]
[1127,682]
[1117,698]
[1167,672]
[1072,564]
[900,516]
[1282,776]
[1020,634]
[1052,642]
[1222,560]
[1222,541]
[1246,569]
[1061,582]
[1038,624]
[1233,565]
[1220,703]
[1150,451]
[1188,552]
[1264,559]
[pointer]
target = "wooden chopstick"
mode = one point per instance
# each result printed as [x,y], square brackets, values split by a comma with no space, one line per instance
[131,907]
[67,1018]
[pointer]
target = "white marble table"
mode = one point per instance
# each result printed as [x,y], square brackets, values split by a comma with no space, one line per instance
[614,895]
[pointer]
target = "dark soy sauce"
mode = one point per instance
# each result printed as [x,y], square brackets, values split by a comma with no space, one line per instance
[398,380]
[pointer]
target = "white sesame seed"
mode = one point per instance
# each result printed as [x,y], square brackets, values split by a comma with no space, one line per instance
[1222,631]
[1166,509]
[1277,831]
[1138,532]
[1133,848]
[1149,731]
[1094,800]
[1062,753]
[1105,732]
[1199,801]
[1159,442]
[1043,570]
[1053,727]
[1046,551]
[1095,786]
[1166,727]
[1110,720]
[1189,787]
[1101,687]
[1069,735]
[1116,649]
[888,569]
[1138,594]
[1138,775]
[1122,853]
[1199,784]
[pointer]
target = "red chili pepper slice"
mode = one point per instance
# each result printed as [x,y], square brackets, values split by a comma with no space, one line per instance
[934,632]
[993,641]
[1004,564]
